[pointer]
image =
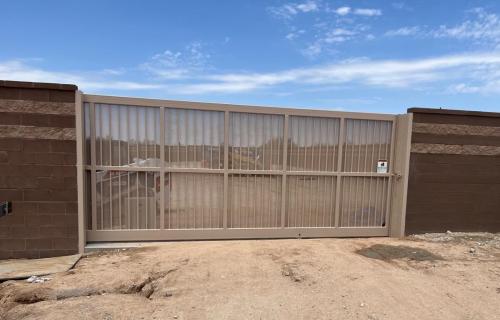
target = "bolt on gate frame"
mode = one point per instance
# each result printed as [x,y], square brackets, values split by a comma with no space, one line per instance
[173,170]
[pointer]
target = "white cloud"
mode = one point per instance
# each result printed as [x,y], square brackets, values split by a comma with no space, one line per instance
[307,6]
[343,11]
[324,30]
[178,64]
[289,10]
[385,73]
[327,38]
[114,72]
[338,35]
[89,84]
[484,27]
[389,73]
[489,87]
[312,50]
[405,31]
[20,71]
[368,12]
[294,34]
[484,79]
[465,73]
[463,88]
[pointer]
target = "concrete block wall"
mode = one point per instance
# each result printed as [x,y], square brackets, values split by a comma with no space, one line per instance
[454,179]
[38,170]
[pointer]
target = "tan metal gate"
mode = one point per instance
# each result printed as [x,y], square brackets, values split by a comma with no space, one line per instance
[171,170]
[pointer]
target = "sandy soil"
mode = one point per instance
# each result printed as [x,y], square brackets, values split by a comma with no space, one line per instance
[443,276]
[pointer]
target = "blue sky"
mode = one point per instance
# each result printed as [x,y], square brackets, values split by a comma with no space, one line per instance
[372,56]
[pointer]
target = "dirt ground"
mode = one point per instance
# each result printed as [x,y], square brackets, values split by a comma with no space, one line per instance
[435,276]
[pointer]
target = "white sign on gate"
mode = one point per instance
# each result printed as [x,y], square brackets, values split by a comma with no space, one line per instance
[382,166]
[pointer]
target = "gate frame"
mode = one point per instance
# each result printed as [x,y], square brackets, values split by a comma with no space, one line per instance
[80,170]
[397,177]
[403,131]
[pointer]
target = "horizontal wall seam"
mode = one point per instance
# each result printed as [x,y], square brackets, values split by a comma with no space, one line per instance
[456,129]
[437,148]
[455,139]
[38,107]
[37,120]
[30,132]
[447,119]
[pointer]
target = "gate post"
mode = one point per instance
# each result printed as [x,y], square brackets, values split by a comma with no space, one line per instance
[226,168]
[284,170]
[80,170]
[400,180]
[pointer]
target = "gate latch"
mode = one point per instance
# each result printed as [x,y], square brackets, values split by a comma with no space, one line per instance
[398,176]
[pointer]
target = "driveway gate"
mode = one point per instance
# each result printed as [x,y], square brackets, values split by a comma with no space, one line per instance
[172,170]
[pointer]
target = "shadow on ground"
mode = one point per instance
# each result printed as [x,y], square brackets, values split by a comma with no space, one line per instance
[388,252]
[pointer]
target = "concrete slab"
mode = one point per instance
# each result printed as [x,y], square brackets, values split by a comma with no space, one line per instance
[102,246]
[25,268]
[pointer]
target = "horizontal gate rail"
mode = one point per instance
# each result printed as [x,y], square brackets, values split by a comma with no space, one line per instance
[233,233]
[111,100]
[217,171]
